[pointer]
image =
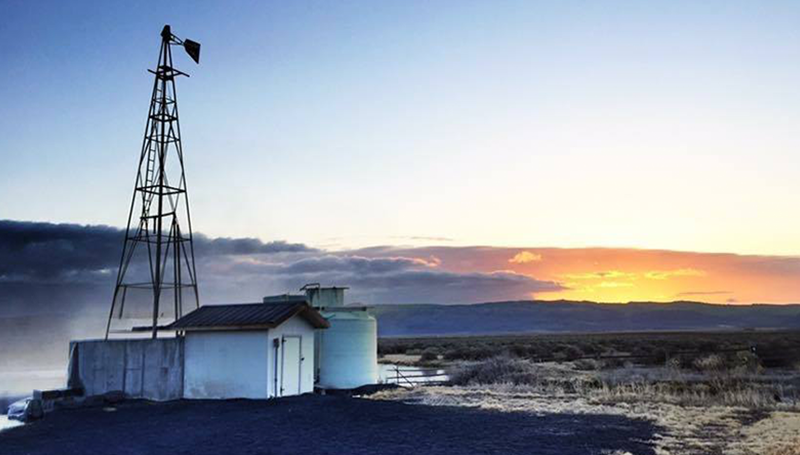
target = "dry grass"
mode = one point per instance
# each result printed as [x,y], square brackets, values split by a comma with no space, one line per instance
[712,381]
[400,359]
[778,434]
[785,449]
[498,370]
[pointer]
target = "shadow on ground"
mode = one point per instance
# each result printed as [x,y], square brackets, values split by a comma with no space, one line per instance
[314,424]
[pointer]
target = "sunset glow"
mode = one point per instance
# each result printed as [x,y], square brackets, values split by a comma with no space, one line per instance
[623,275]
[636,275]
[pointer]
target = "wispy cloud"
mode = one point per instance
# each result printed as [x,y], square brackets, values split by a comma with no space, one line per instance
[423,238]
[608,274]
[649,274]
[666,274]
[615,284]
[524,257]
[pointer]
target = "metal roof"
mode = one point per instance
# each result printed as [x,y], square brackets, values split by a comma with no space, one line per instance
[286,298]
[247,316]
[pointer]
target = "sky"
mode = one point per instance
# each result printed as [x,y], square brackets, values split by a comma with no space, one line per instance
[635,150]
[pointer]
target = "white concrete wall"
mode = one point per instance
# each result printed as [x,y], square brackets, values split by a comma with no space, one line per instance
[294,326]
[241,364]
[142,368]
[229,364]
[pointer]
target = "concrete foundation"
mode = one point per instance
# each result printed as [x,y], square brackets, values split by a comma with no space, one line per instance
[146,368]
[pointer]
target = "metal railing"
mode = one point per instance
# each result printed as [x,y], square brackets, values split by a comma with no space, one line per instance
[412,377]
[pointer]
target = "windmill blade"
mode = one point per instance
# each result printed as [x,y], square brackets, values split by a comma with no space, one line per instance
[193,49]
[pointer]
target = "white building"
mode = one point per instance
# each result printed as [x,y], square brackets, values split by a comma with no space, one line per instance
[287,345]
[260,350]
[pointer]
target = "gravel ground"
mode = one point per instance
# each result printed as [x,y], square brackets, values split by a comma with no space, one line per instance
[315,424]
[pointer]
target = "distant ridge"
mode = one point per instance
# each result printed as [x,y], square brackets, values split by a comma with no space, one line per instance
[41,340]
[531,316]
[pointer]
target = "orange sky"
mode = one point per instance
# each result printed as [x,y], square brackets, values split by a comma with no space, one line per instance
[623,275]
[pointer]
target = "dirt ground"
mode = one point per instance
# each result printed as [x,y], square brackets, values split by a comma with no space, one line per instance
[682,429]
[317,424]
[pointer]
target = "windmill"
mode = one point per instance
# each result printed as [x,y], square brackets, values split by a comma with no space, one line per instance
[158,252]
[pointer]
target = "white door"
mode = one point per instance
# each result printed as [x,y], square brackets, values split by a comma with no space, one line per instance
[291,365]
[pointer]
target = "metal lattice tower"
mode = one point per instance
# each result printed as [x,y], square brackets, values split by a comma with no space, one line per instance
[158,243]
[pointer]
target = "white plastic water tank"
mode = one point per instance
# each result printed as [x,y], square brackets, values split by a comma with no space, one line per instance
[348,350]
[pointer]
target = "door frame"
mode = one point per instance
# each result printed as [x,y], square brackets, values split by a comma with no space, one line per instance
[299,361]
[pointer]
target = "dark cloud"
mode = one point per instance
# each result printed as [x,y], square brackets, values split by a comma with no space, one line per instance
[33,252]
[46,252]
[395,279]
[230,246]
[39,257]
[355,265]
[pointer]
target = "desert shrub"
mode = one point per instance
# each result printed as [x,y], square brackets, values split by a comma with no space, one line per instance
[385,348]
[464,352]
[682,362]
[587,364]
[746,362]
[673,364]
[496,370]
[660,355]
[429,355]
[707,346]
[453,354]
[782,360]
[736,364]
[610,364]
[590,348]
[711,363]
[650,355]
[570,352]
[523,351]
[530,351]
[644,349]
[779,349]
